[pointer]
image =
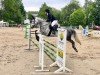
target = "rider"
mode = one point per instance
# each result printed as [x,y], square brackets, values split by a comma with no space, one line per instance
[32,21]
[52,20]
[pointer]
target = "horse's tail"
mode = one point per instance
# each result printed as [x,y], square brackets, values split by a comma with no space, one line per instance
[76,38]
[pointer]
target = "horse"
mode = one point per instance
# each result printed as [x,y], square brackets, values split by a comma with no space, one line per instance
[44,29]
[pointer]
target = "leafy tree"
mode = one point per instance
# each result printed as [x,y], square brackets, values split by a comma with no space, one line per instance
[0,14]
[1,7]
[67,11]
[56,13]
[23,12]
[97,13]
[86,4]
[13,11]
[89,8]
[42,11]
[77,18]
[30,16]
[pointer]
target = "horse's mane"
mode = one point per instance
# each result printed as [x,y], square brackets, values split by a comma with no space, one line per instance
[42,21]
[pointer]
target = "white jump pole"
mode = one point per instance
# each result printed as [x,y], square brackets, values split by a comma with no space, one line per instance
[30,37]
[61,58]
[41,54]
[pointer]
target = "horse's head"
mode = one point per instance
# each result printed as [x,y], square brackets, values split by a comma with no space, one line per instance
[38,21]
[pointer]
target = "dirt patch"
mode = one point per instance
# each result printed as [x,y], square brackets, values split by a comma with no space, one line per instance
[15,60]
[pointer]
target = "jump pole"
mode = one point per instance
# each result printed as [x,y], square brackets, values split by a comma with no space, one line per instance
[41,55]
[61,52]
[29,37]
[28,32]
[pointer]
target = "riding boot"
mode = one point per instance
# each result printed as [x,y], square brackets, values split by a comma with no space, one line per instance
[50,27]
[49,32]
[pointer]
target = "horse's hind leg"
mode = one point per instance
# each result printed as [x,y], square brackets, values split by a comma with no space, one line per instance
[73,45]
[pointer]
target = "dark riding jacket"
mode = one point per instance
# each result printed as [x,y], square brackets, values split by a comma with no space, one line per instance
[50,17]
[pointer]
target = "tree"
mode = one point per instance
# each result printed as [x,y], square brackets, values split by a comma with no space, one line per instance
[13,11]
[23,12]
[56,13]
[0,14]
[30,16]
[67,11]
[77,18]
[42,11]
[86,4]
[97,13]
[1,8]
[89,8]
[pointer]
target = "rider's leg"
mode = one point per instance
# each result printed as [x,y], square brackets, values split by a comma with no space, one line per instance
[50,27]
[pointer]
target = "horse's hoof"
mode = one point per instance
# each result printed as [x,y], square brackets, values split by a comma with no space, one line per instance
[76,51]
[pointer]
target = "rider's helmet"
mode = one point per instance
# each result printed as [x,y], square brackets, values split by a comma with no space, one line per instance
[47,10]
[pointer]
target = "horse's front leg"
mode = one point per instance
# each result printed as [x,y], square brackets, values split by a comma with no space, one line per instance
[73,44]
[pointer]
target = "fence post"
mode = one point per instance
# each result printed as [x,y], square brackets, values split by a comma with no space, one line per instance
[61,52]
[41,54]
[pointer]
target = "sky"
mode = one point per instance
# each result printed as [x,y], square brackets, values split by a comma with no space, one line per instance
[34,5]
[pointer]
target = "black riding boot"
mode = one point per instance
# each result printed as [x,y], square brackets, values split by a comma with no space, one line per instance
[50,27]
[49,32]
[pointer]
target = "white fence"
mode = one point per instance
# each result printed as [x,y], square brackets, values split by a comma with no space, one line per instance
[96,33]
[61,53]
[4,24]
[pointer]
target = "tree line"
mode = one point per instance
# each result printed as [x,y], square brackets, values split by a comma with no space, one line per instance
[74,14]
[12,11]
